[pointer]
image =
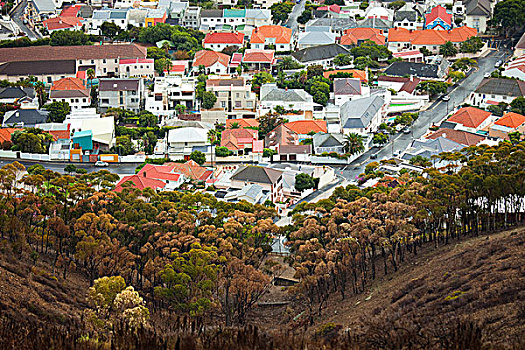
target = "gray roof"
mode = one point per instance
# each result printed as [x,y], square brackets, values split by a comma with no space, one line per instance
[478,8]
[347,86]
[423,70]
[334,23]
[44,5]
[101,14]
[211,13]
[428,148]
[258,13]
[316,38]
[118,14]
[378,23]
[328,140]
[321,52]
[270,92]
[401,15]
[38,67]
[118,84]
[357,114]
[25,117]
[257,174]
[251,191]
[498,86]
[16,92]
[69,93]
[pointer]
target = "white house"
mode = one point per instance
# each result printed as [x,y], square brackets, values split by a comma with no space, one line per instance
[290,99]
[136,68]
[362,116]
[492,91]
[182,140]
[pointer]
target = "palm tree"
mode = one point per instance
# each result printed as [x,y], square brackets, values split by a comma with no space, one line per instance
[168,65]
[353,143]
[91,75]
[41,93]
[234,125]
[166,47]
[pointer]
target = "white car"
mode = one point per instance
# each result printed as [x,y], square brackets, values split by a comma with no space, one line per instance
[101,164]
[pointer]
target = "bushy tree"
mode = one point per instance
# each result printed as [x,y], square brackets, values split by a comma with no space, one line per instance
[261,79]
[198,157]
[69,38]
[303,182]
[281,10]
[208,99]
[448,49]
[518,105]
[58,110]
[343,60]
[222,151]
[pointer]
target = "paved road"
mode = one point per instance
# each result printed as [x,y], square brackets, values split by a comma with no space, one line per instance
[435,114]
[296,12]
[121,168]
[17,16]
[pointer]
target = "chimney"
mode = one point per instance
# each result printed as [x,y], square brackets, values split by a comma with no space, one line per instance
[411,77]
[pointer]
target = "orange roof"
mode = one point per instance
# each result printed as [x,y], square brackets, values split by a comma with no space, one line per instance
[258,55]
[470,117]
[191,170]
[511,120]
[459,136]
[243,123]
[430,36]
[208,58]
[353,35]
[361,74]
[140,182]
[303,127]
[5,134]
[68,84]
[282,35]
[61,22]
[224,38]
[438,12]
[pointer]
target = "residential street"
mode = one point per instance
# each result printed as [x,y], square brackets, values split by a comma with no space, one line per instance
[17,16]
[434,114]
[296,12]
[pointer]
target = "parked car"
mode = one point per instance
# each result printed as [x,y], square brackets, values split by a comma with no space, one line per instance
[373,156]
[101,164]
[499,63]
[396,153]
[406,130]
[446,98]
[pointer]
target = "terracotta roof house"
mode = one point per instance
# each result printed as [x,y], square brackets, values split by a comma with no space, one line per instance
[356,36]
[191,170]
[401,39]
[154,176]
[459,136]
[399,84]
[242,123]
[469,119]
[5,134]
[220,41]
[305,127]
[239,141]
[213,62]
[281,135]
[356,73]
[492,91]
[258,59]
[510,122]
[139,182]
[63,23]
[72,91]
[278,36]
[438,18]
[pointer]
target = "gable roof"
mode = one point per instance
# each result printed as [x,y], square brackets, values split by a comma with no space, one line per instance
[159,172]
[347,86]
[243,123]
[280,135]
[224,38]
[375,22]
[316,38]
[270,92]
[231,138]
[321,52]
[401,15]
[438,12]
[478,8]
[62,22]
[357,114]
[409,84]
[282,35]
[470,117]
[303,127]
[257,174]
[458,136]
[191,170]
[225,82]
[354,35]
[140,182]
[208,58]
[430,36]
[336,24]
[403,68]
[25,117]
[5,134]
[258,56]
[16,92]
[503,87]
[189,134]
[68,84]
[328,140]
[511,120]
[361,74]
[38,67]
[119,84]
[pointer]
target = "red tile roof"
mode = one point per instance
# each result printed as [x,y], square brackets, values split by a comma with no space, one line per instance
[511,120]
[353,35]
[224,38]
[430,36]
[68,84]
[235,139]
[409,84]
[159,172]
[361,74]
[140,182]
[461,137]
[191,170]
[208,58]
[71,11]
[281,34]
[470,117]
[62,22]
[5,134]
[438,12]
[258,56]
[303,127]
[243,123]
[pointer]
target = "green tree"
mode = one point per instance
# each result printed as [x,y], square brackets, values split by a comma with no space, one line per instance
[58,110]
[396,5]
[261,79]
[157,53]
[109,29]
[305,16]
[518,105]
[320,92]
[69,38]
[70,168]
[448,49]
[370,49]
[426,52]
[456,76]
[124,146]
[288,62]
[364,62]
[420,161]
[222,151]
[267,152]
[303,182]
[343,60]
[433,88]
[208,99]
[380,139]
[148,119]
[163,64]
[508,15]
[198,157]
[464,64]
[353,143]
[90,75]
[471,45]
[280,11]
[268,122]
[181,109]
[315,70]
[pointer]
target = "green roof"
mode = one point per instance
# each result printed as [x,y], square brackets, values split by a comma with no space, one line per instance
[235,13]
[82,133]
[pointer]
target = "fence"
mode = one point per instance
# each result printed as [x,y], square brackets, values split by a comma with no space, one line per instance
[133,158]
[7,154]
[34,156]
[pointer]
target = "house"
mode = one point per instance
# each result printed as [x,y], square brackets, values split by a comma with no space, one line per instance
[362,116]
[293,153]
[101,129]
[335,25]
[157,177]
[137,68]
[346,89]
[219,41]
[269,179]
[319,55]
[182,140]
[213,62]
[5,136]
[477,14]
[41,9]
[258,17]
[515,69]
[235,100]
[191,17]
[265,4]
[431,147]
[406,18]
[315,38]
[239,141]
[210,19]
[438,18]
[356,36]
[409,56]
[375,22]
[398,84]
[519,48]
[252,193]
[191,170]
[469,119]
[327,143]
[26,118]
[49,63]
[155,16]
[278,38]
[356,73]
[420,70]
[401,39]
[258,59]
[509,123]
[242,123]
[492,91]
[68,19]
[119,17]
[120,93]
[168,92]
[290,99]
[280,135]
[137,17]
[14,94]
[462,137]
[379,12]
[71,90]
[305,128]
[178,67]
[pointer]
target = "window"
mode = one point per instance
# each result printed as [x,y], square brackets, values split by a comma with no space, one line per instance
[104,70]
[84,100]
[49,80]
[238,104]
[116,60]
[92,61]
[104,60]
[105,101]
